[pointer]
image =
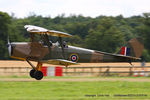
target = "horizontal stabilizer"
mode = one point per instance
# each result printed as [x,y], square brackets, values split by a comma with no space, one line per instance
[59,62]
[40,30]
[126,57]
[121,57]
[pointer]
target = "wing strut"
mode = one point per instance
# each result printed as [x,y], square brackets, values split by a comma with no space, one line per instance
[62,47]
[46,39]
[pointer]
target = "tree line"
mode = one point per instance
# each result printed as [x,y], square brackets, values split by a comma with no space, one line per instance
[103,33]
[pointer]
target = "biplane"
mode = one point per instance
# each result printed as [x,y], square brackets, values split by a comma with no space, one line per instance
[59,53]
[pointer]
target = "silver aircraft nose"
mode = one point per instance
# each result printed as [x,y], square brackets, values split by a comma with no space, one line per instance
[9,45]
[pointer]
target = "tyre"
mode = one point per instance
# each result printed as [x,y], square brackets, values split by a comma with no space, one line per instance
[32,73]
[38,75]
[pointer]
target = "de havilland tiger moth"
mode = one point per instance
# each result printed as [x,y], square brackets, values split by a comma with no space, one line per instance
[59,53]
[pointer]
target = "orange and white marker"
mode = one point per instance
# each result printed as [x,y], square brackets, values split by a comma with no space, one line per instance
[135,74]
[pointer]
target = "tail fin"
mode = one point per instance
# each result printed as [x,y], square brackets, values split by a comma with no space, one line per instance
[133,48]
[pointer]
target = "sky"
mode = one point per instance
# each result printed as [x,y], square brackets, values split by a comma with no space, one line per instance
[92,8]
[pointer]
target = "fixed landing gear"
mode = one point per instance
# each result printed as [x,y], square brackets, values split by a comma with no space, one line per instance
[38,75]
[36,71]
[32,73]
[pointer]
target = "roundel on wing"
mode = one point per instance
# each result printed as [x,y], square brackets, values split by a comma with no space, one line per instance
[74,57]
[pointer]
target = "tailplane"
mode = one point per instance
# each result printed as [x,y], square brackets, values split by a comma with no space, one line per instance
[133,48]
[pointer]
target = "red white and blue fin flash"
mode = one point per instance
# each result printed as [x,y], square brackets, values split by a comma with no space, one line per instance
[125,51]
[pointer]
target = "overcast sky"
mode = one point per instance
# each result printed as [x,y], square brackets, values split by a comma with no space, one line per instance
[93,8]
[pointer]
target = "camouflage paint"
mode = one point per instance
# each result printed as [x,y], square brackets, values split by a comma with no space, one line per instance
[36,51]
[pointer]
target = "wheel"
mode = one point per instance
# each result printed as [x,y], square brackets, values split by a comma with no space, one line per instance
[38,75]
[32,73]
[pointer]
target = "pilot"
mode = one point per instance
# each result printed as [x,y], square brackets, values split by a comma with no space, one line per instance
[65,44]
[41,42]
[50,42]
[57,43]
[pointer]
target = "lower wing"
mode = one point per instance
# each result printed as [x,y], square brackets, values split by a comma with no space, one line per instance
[59,62]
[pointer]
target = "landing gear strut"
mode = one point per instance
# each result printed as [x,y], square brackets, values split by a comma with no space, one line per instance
[35,72]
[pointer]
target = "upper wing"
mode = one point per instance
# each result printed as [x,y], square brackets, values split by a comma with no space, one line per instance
[40,30]
[59,62]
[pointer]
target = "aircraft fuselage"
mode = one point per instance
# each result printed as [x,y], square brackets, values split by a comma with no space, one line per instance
[36,51]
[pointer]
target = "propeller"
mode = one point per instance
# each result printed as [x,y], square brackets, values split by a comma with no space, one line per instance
[9,46]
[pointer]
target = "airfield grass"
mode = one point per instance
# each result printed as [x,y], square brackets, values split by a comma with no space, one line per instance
[55,90]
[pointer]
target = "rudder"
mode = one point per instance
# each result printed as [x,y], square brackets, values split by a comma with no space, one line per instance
[133,48]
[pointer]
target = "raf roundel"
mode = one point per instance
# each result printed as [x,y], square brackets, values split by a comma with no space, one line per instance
[74,57]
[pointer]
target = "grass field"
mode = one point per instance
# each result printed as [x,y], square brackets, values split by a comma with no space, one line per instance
[73,90]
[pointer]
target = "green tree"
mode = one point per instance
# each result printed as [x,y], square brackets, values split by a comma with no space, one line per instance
[5,20]
[145,34]
[75,41]
[105,37]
